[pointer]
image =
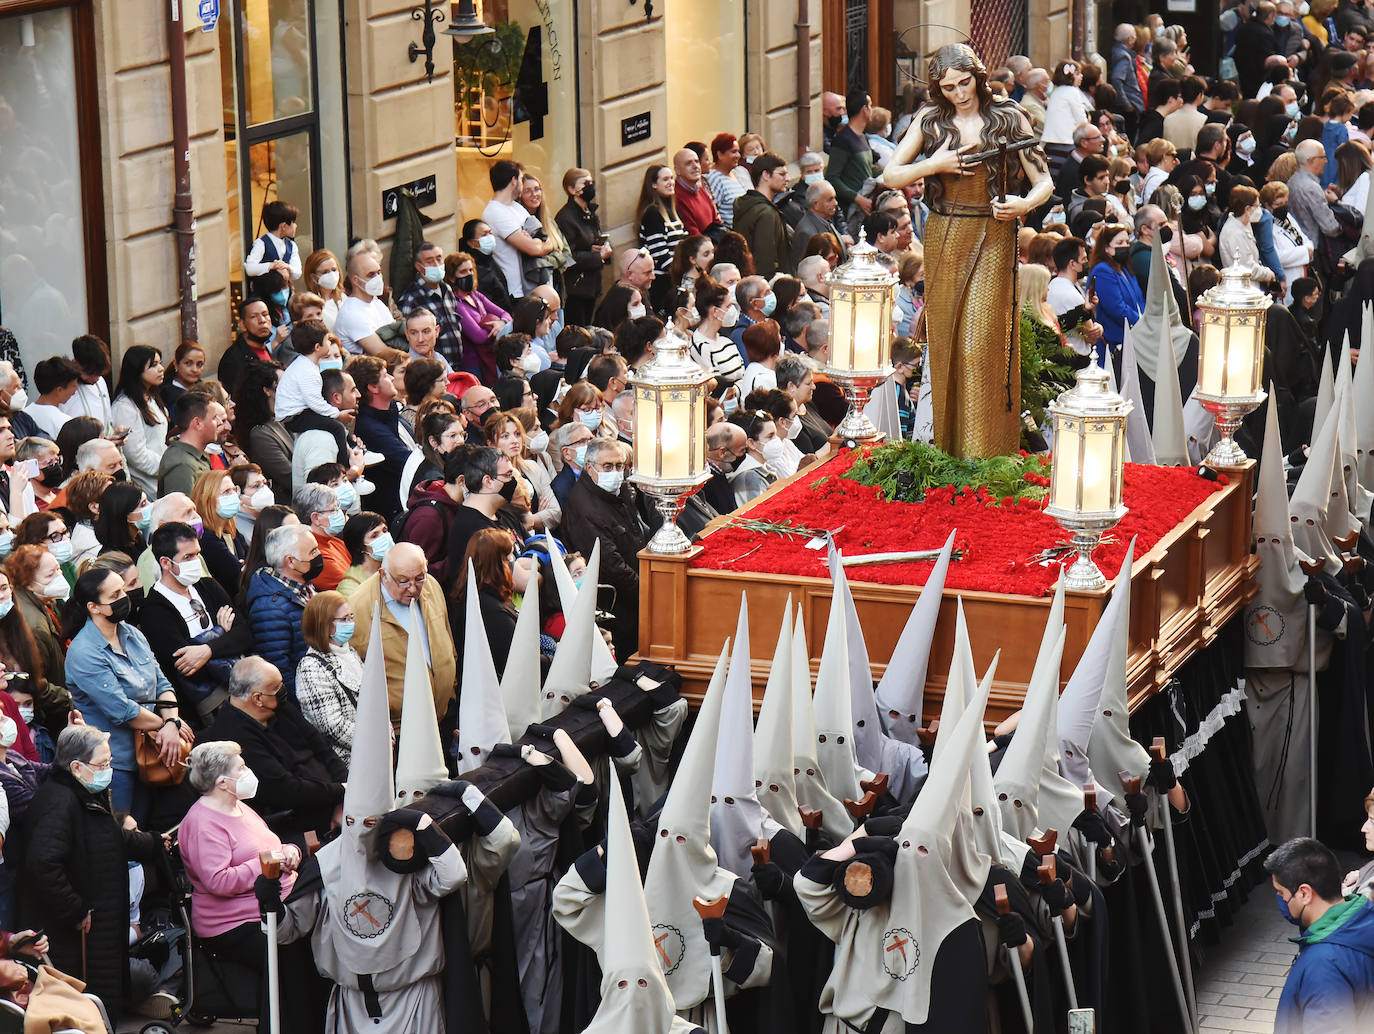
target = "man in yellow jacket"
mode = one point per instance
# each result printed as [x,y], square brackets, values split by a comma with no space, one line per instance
[404,579]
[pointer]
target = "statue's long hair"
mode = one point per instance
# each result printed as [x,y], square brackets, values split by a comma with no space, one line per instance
[1003,121]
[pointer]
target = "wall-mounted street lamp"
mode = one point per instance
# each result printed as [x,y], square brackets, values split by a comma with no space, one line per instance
[466,25]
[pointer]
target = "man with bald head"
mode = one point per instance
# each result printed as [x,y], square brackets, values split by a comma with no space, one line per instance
[363,312]
[821,205]
[1307,201]
[411,603]
[832,116]
[695,206]
[637,270]
[725,446]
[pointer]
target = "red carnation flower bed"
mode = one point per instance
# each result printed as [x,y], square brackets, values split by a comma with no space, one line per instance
[999,540]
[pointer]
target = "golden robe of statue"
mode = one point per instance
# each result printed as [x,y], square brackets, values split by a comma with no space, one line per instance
[970,251]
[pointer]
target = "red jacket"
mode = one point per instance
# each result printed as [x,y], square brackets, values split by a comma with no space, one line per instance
[429,512]
[695,208]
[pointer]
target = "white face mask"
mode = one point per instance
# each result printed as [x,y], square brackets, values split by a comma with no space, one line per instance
[539,441]
[772,450]
[19,400]
[57,589]
[610,481]
[9,731]
[26,713]
[795,429]
[636,311]
[731,316]
[530,363]
[329,280]
[188,572]
[246,785]
[262,498]
[374,285]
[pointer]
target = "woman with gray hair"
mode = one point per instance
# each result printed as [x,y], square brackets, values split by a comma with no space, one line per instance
[74,880]
[221,843]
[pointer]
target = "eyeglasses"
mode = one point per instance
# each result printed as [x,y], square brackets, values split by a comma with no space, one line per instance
[58,536]
[406,583]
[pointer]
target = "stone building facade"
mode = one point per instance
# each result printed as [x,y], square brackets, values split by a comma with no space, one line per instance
[319,103]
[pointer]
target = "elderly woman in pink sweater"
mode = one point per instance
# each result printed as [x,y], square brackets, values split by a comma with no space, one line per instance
[221,840]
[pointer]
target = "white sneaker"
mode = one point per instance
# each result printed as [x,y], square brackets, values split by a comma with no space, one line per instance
[158,1006]
[364,487]
[371,459]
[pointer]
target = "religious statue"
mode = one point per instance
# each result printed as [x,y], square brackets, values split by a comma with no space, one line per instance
[983,171]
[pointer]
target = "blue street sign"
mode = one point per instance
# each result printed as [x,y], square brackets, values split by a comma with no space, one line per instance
[209,14]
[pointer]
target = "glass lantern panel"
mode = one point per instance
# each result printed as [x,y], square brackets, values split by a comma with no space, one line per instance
[872,316]
[646,433]
[1099,467]
[675,434]
[1228,364]
[841,325]
[1064,472]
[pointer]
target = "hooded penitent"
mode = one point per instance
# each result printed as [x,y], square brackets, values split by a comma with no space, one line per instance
[1017,780]
[1139,446]
[1276,619]
[1079,702]
[683,865]
[1111,749]
[603,663]
[634,993]
[885,955]
[1170,440]
[1312,501]
[520,681]
[1326,393]
[1364,414]
[736,815]
[1160,323]
[570,672]
[812,790]
[900,696]
[773,754]
[374,933]
[831,709]
[481,712]
[420,761]
[1345,404]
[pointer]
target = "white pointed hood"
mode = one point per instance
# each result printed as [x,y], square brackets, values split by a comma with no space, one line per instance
[881,409]
[1364,414]
[1346,403]
[1017,780]
[1160,323]
[774,763]
[420,761]
[683,865]
[1275,620]
[1326,391]
[736,815]
[520,681]
[1078,704]
[812,789]
[900,696]
[386,939]
[571,670]
[1169,437]
[868,732]
[1312,497]
[1140,447]
[958,684]
[831,709]
[481,711]
[634,994]
[1111,749]
[603,663]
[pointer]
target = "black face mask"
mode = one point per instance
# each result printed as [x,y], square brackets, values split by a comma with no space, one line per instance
[1122,187]
[589,193]
[120,610]
[508,490]
[135,600]
[315,569]
[465,283]
[257,340]
[1165,235]
[1281,212]
[51,475]
[120,475]
[1121,254]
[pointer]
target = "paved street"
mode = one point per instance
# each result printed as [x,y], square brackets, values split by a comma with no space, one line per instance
[1239,983]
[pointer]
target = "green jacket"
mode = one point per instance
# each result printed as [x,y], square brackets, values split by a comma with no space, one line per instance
[181,465]
[850,164]
[769,236]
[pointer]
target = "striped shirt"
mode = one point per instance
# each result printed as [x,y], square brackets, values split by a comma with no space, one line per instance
[724,189]
[659,236]
[722,355]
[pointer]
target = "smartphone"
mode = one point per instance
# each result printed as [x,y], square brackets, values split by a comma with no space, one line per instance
[1092,284]
[30,468]
[23,942]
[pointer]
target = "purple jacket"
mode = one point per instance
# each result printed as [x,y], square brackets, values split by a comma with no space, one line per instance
[470,312]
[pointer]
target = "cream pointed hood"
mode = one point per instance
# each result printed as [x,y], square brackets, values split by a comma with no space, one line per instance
[812,790]
[420,761]
[1169,437]
[736,815]
[1111,749]
[1160,323]
[520,681]
[481,711]
[603,663]
[1140,448]
[774,758]
[1346,404]
[868,732]
[1312,497]
[900,696]
[1364,414]
[570,673]
[831,709]
[1326,390]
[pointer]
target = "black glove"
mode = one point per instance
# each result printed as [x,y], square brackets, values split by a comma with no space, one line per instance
[1057,896]
[770,880]
[587,701]
[719,935]
[1137,805]
[543,732]
[883,825]
[1330,607]
[1314,592]
[1030,870]
[1011,930]
[452,788]
[1093,827]
[268,892]
[1162,776]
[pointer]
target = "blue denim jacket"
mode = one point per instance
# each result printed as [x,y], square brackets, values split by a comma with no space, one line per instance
[108,688]
[1264,241]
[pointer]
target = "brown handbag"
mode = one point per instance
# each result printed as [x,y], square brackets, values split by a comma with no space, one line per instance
[151,769]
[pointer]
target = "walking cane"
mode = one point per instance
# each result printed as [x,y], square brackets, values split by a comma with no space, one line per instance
[1090,804]
[1046,869]
[1171,856]
[999,894]
[271,868]
[1131,784]
[715,910]
[1311,570]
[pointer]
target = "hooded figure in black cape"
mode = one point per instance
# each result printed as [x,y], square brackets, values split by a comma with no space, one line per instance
[1347,314]
[1269,144]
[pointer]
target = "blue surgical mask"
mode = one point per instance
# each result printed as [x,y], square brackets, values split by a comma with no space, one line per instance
[610,481]
[5,607]
[331,364]
[770,303]
[1292,110]
[1281,21]
[1197,202]
[433,274]
[591,421]
[1211,188]
[336,521]
[1283,910]
[101,781]
[6,543]
[487,244]
[580,455]
[62,550]
[381,545]
[343,632]
[228,506]
[145,520]
[348,495]
[813,177]
[281,297]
